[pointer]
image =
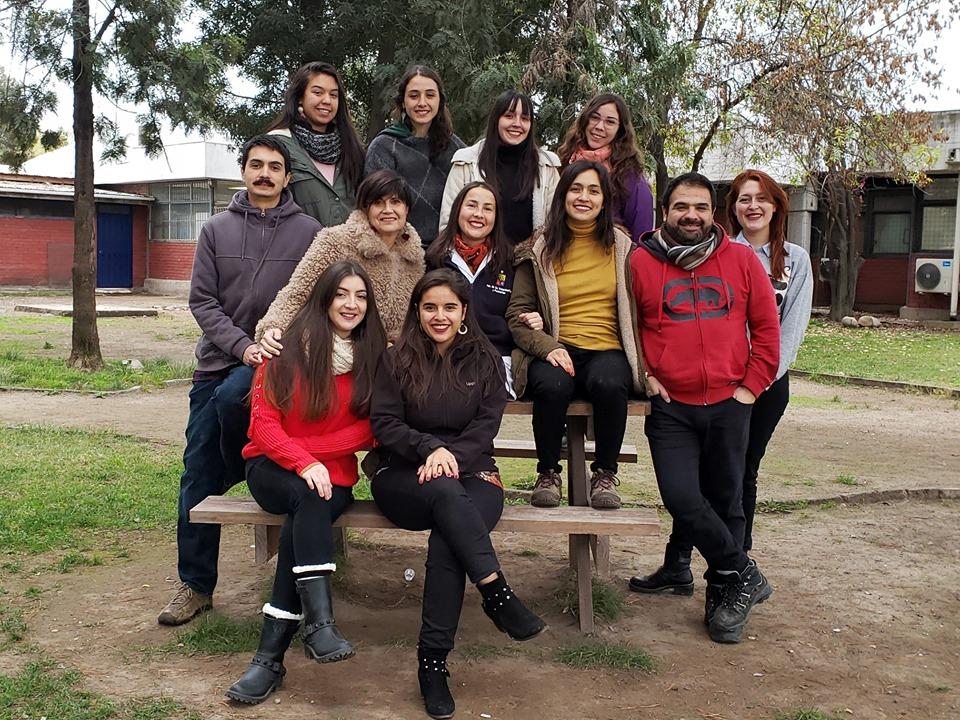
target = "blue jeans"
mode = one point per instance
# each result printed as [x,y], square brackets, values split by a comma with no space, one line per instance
[216,433]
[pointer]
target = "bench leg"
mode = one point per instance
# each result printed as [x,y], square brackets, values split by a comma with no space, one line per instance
[580,551]
[600,546]
[340,544]
[266,542]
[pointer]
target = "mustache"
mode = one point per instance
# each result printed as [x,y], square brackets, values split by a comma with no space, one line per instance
[263,181]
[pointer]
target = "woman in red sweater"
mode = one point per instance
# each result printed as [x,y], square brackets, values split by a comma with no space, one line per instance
[308,416]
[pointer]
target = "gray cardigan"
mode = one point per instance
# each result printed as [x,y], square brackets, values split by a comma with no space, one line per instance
[794,294]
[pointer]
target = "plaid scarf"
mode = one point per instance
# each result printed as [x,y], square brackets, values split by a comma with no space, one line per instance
[602,155]
[322,147]
[684,255]
[473,256]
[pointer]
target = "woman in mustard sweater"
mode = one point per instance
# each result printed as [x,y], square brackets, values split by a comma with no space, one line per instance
[577,276]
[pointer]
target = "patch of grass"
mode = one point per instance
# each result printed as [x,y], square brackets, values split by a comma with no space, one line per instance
[216,634]
[32,592]
[846,480]
[804,715]
[941,688]
[484,651]
[58,486]
[528,553]
[816,403]
[41,690]
[784,507]
[77,559]
[11,566]
[827,505]
[21,368]
[608,600]
[12,626]
[595,654]
[888,353]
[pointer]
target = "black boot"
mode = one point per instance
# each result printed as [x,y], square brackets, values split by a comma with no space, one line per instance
[321,639]
[266,670]
[713,597]
[738,595]
[673,576]
[432,673]
[507,612]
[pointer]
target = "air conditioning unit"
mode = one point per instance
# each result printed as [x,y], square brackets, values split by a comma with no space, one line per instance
[953,155]
[934,275]
[826,269]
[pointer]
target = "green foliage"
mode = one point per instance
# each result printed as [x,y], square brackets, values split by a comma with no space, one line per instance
[77,559]
[804,715]
[57,487]
[608,600]
[12,626]
[884,353]
[597,654]
[21,107]
[784,507]
[41,690]
[21,368]
[846,480]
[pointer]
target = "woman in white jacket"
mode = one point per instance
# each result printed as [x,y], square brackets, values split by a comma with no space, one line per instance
[508,158]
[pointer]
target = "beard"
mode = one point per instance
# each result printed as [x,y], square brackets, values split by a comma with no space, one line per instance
[688,234]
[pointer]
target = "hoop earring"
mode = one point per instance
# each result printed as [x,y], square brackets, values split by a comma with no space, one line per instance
[462,330]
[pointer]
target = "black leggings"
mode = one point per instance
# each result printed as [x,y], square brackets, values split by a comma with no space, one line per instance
[306,538]
[460,515]
[604,378]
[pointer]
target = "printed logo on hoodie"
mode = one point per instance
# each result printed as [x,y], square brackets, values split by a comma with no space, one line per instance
[708,298]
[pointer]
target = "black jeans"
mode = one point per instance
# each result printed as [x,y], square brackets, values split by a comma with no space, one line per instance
[306,538]
[460,513]
[698,456]
[217,424]
[767,411]
[604,378]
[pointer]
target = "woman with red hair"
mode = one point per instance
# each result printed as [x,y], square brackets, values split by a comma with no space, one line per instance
[757,209]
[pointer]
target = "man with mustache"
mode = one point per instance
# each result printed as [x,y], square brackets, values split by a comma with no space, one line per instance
[244,258]
[710,335]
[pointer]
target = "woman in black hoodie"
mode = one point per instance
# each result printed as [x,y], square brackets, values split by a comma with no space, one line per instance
[437,403]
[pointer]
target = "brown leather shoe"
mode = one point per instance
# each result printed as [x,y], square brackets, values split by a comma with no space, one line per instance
[547,493]
[603,493]
[185,605]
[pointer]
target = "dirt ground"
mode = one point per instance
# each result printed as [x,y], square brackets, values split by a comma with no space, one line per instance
[864,621]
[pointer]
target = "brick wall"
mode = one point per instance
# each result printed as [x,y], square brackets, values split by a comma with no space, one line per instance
[170,260]
[35,251]
[882,281]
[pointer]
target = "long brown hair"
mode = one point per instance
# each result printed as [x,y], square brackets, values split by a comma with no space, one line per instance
[516,101]
[440,249]
[441,128]
[625,157]
[778,225]
[351,149]
[419,365]
[307,360]
[556,233]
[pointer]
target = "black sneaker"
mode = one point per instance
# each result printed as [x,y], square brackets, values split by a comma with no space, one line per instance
[747,589]
[712,602]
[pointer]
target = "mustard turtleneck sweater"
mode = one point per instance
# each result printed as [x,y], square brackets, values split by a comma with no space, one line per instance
[587,285]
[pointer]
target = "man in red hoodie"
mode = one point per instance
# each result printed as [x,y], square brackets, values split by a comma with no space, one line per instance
[711,340]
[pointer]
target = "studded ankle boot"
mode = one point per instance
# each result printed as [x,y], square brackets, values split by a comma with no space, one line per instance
[508,613]
[432,673]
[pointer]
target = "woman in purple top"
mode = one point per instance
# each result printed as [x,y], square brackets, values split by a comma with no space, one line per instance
[603,132]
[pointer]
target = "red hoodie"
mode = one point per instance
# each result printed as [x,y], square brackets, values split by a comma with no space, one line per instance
[694,323]
[294,443]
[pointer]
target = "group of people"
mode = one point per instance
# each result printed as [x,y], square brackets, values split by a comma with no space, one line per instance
[394,299]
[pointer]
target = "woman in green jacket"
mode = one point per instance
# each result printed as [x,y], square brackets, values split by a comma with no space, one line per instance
[325,151]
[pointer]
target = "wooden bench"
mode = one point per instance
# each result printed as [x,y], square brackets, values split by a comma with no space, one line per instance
[587,529]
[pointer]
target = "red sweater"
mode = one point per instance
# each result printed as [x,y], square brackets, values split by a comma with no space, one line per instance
[294,443]
[694,324]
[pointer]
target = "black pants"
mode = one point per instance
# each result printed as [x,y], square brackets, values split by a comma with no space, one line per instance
[698,456]
[764,418]
[604,378]
[460,515]
[306,538]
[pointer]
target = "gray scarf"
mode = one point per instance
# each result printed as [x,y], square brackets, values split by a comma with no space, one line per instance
[687,256]
[322,147]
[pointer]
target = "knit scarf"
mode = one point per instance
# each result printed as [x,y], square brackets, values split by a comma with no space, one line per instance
[342,355]
[323,147]
[601,155]
[472,255]
[687,256]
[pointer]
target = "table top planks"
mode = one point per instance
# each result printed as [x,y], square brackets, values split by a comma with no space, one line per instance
[578,408]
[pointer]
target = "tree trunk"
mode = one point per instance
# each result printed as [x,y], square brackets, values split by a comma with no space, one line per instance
[844,243]
[85,351]
[379,112]
[656,149]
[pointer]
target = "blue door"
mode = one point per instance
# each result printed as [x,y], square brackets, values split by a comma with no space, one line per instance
[114,246]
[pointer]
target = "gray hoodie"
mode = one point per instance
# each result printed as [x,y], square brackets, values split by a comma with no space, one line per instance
[244,258]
